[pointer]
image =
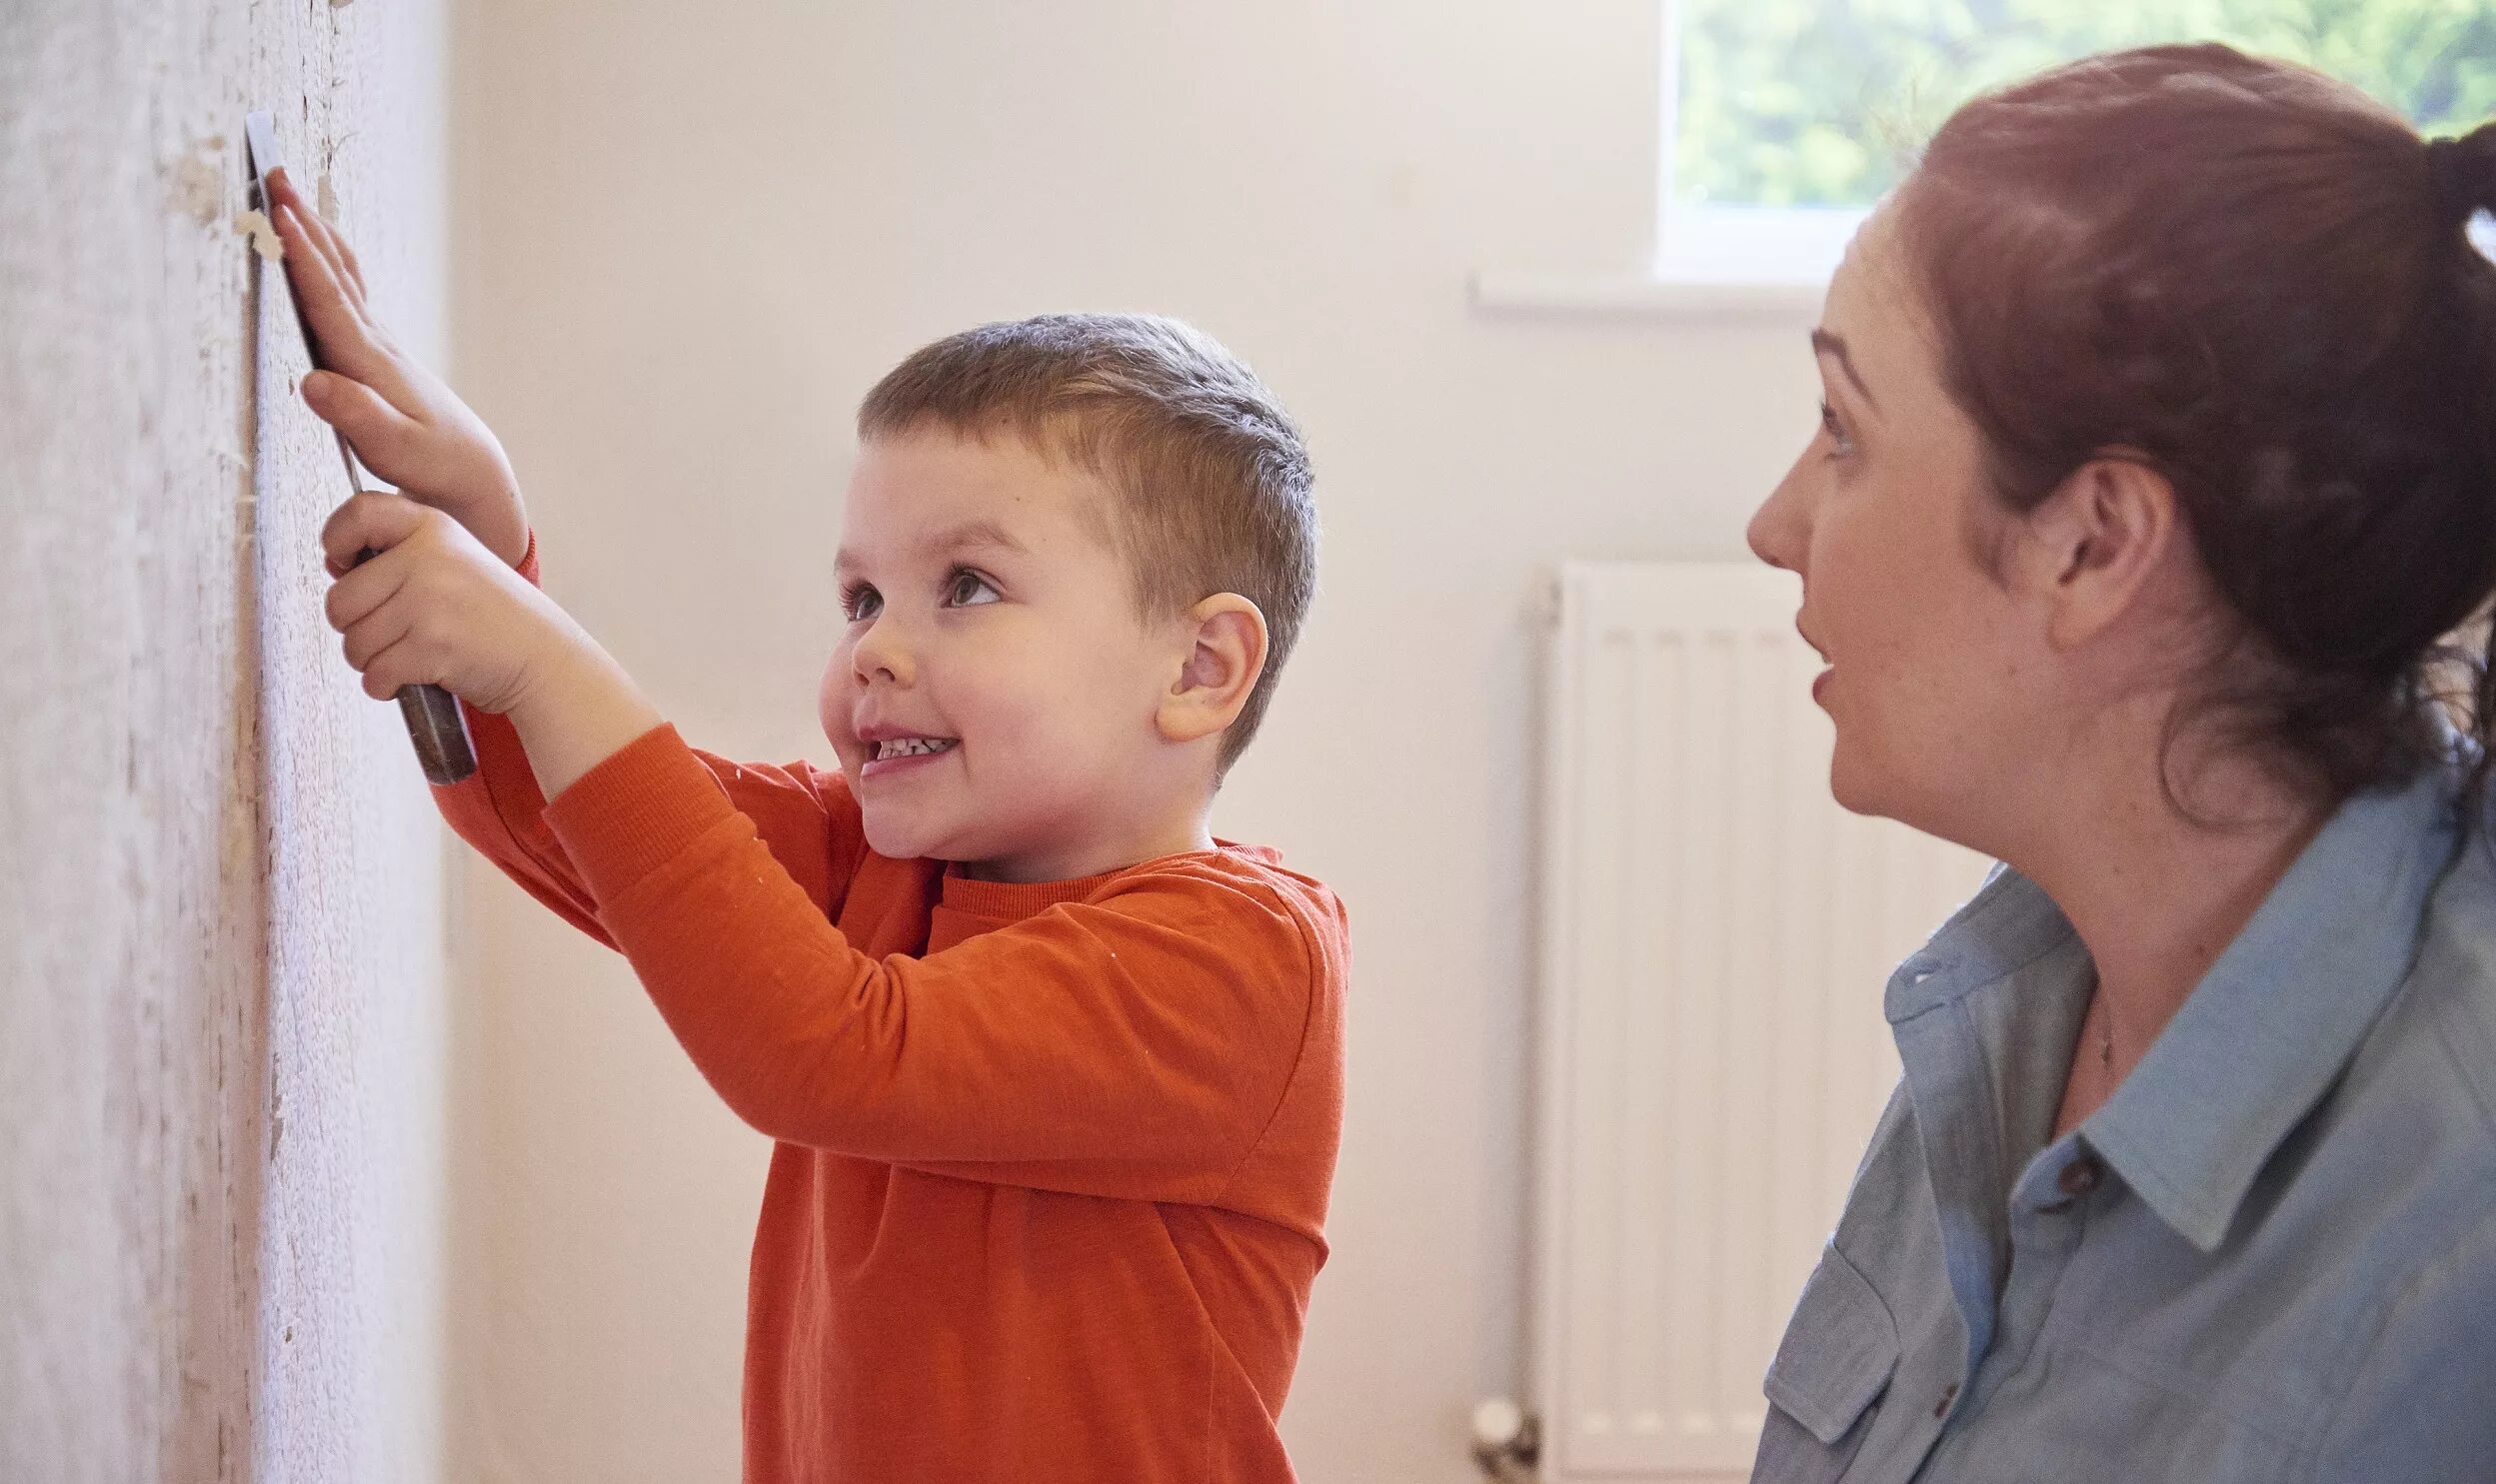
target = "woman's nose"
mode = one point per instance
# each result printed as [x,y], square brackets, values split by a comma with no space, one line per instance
[1779,532]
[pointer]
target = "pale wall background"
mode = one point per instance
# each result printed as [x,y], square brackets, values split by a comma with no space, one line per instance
[222,1190]
[690,235]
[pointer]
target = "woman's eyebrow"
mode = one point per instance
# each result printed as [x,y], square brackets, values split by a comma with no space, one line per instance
[1834,346]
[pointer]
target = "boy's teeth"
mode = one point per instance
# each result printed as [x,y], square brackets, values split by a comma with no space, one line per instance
[912,747]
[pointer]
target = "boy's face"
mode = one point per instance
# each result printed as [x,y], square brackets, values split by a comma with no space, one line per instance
[994,694]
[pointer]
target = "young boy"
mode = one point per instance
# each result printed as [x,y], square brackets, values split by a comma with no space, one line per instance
[1054,1076]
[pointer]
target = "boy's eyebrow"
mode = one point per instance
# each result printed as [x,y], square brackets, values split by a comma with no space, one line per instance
[969,536]
[1835,346]
[974,535]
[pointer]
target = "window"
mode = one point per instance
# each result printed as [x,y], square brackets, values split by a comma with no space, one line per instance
[1786,119]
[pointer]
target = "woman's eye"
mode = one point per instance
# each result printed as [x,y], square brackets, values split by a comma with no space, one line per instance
[969,588]
[862,603]
[1836,431]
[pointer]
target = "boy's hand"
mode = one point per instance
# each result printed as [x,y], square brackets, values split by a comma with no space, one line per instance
[401,419]
[431,606]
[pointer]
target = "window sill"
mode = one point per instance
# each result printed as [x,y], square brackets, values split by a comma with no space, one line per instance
[1637,295]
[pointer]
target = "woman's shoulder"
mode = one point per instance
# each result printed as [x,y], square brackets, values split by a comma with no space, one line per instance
[2441,1034]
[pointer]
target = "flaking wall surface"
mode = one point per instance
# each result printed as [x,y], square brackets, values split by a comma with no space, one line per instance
[221,1189]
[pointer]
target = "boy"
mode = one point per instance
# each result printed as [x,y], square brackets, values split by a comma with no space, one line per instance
[1056,1077]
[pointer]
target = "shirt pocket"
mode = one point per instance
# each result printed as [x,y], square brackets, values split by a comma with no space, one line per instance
[1825,1384]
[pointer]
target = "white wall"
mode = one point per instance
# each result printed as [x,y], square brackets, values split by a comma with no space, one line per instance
[222,1181]
[691,235]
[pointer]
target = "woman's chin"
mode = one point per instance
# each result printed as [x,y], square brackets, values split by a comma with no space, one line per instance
[1857,789]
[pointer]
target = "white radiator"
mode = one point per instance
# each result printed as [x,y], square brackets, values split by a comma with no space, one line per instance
[1715,935]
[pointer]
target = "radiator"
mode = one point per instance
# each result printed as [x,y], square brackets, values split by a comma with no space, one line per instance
[1715,932]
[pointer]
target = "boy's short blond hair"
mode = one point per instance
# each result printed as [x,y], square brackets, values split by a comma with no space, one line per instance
[1212,477]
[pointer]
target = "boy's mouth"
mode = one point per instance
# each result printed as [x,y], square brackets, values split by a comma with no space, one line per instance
[887,755]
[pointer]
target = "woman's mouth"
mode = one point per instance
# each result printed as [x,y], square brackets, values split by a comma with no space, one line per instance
[898,753]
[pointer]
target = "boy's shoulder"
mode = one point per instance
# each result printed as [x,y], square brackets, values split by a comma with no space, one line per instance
[1243,893]
[1256,871]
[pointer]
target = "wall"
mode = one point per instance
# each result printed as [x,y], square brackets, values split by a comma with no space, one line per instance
[689,238]
[221,1023]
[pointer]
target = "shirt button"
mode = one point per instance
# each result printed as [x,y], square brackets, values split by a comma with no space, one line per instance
[2080,1176]
[1949,1394]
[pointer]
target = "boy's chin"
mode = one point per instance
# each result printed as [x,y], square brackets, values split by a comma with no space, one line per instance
[898,836]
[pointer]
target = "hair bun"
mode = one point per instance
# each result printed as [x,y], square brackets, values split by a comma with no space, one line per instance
[2464,170]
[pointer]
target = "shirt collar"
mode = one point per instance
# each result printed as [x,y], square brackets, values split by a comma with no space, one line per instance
[2266,1031]
[2271,1025]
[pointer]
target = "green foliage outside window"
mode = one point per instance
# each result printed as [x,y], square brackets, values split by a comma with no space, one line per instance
[1822,102]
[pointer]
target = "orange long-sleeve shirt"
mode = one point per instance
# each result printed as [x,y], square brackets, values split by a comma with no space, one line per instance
[1053,1161]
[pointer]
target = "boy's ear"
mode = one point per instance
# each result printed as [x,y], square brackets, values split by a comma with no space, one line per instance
[1226,637]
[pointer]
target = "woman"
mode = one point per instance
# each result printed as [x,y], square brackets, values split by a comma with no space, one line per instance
[2160,451]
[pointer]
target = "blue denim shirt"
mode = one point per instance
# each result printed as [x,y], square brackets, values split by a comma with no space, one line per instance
[2271,1255]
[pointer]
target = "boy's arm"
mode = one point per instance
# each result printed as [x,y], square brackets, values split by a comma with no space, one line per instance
[412,429]
[1135,1045]
[1131,1045]
[501,811]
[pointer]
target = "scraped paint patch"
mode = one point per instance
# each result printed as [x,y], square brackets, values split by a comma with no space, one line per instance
[263,236]
[195,184]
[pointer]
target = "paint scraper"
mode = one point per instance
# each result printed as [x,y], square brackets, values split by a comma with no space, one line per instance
[433,717]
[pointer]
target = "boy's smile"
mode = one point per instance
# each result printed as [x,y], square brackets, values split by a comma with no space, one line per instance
[995,694]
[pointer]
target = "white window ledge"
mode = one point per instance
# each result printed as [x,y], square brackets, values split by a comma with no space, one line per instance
[1712,262]
[1645,295]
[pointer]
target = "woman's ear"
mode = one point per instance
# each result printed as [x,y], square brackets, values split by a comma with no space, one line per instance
[2097,545]
[1225,653]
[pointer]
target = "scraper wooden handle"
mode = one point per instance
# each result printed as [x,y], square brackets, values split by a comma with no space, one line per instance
[435,724]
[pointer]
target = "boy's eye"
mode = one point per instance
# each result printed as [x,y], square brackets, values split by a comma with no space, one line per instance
[860,602]
[967,588]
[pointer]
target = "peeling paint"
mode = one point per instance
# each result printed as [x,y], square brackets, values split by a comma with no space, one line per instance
[228,881]
[195,184]
[264,239]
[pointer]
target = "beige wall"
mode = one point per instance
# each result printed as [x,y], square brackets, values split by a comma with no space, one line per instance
[691,235]
[221,1158]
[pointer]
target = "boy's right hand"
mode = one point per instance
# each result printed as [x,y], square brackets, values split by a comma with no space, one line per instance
[402,422]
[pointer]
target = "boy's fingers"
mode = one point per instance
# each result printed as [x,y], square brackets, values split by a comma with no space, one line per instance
[324,238]
[345,340]
[390,669]
[370,519]
[341,257]
[357,594]
[346,255]
[367,638]
[385,439]
[293,212]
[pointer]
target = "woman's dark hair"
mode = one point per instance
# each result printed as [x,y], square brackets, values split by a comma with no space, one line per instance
[2259,280]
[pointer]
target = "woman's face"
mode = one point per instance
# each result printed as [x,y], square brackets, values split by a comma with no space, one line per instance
[1932,664]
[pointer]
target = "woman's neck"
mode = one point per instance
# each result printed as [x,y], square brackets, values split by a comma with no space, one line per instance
[2157,895]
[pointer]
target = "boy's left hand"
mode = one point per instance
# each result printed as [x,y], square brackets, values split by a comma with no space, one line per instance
[432,606]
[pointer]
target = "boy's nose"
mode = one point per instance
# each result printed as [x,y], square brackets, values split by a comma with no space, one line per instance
[882,655]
